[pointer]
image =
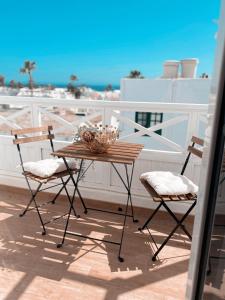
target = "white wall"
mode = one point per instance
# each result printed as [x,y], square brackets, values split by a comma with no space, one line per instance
[173,90]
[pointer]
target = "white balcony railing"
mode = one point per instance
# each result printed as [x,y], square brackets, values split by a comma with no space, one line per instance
[162,152]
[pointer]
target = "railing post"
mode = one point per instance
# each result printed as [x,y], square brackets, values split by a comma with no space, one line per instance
[107,116]
[35,115]
[192,127]
[36,122]
[106,168]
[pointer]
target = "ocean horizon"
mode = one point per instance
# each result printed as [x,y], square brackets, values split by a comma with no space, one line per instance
[96,87]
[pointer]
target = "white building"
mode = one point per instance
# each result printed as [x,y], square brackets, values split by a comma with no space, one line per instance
[161,91]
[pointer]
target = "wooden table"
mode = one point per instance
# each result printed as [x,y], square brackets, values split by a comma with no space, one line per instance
[119,153]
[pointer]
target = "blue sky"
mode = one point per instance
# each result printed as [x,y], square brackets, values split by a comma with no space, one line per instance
[100,40]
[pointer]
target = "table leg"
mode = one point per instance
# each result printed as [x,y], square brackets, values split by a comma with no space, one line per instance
[81,176]
[121,259]
[127,185]
[72,200]
[128,188]
[68,196]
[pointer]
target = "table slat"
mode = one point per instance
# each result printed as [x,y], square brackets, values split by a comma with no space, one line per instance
[119,152]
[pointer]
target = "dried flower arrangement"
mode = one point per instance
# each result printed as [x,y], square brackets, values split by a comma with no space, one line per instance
[97,139]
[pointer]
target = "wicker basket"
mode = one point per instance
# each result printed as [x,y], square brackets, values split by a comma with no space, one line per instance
[98,139]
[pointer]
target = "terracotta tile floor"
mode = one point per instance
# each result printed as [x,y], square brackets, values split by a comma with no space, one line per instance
[33,268]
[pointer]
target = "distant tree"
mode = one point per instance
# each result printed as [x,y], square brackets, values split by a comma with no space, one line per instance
[73,77]
[50,87]
[108,88]
[135,74]
[2,80]
[77,93]
[72,88]
[20,85]
[28,68]
[13,84]
[71,84]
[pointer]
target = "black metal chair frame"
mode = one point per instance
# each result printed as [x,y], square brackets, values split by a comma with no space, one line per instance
[34,193]
[179,222]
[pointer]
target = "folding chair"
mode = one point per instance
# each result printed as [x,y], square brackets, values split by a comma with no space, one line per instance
[41,134]
[164,199]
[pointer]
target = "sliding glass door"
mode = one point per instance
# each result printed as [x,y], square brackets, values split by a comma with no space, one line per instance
[206,268]
[214,282]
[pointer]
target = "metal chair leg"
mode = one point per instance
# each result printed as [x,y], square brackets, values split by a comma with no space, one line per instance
[150,218]
[179,224]
[36,206]
[31,200]
[68,196]
[42,223]
[82,201]
[59,192]
[27,207]
[177,220]
[65,230]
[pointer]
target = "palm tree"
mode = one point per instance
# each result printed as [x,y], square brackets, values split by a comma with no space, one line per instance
[2,80]
[73,77]
[19,85]
[72,88]
[135,74]
[28,67]
[13,84]
[108,88]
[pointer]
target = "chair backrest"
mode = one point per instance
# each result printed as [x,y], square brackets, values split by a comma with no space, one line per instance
[35,138]
[193,150]
[43,133]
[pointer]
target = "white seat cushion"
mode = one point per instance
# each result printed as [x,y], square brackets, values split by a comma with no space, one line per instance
[169,183]
[47,167]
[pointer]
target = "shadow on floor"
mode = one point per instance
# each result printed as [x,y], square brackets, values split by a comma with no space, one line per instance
[24,249]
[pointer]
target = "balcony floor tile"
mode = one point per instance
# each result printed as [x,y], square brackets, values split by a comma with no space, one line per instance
[33,268]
